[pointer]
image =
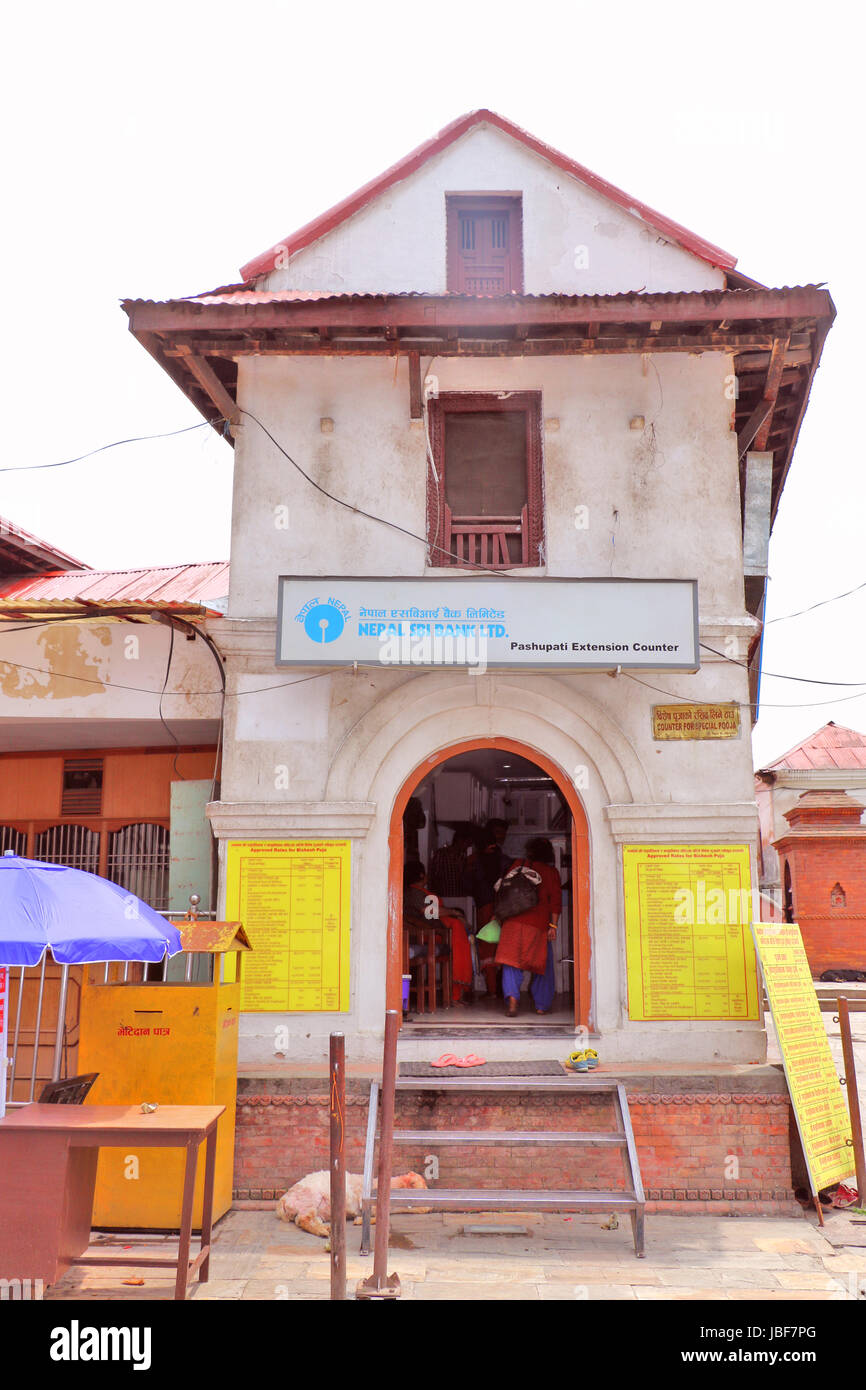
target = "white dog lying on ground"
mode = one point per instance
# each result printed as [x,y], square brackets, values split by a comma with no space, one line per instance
[308,1203]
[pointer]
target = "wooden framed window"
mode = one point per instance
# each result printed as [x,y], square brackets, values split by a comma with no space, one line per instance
[82,787]
[485,243]
[485,504]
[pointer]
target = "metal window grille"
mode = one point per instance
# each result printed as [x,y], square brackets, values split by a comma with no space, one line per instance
[73,845]
[13,839]
[139,859]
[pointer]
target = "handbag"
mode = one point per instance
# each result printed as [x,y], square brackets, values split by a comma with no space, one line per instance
[516,893]
[491,931]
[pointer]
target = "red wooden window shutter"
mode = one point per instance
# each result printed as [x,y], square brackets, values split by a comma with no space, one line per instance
[485,244]
[485,503]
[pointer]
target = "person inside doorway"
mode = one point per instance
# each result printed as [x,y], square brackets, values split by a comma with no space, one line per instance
[526,941]
[490,865]
[421,908]
[451,866]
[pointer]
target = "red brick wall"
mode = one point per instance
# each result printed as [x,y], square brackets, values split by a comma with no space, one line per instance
[834,937]
[710,1151]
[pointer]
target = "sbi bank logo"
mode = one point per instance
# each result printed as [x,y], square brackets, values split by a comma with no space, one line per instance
[323,619]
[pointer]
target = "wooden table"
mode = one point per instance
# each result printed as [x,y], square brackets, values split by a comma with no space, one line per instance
[48,1156]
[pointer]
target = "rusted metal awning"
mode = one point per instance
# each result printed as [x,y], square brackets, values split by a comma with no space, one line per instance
[102,610]
[213,937]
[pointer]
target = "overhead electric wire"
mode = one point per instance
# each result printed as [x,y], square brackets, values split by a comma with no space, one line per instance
[813,606]
[775,675]
[423,540]
[743,704]
[372,516]
[167,727]
[144,690]
[136,439]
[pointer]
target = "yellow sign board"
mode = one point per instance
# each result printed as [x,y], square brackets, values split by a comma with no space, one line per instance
[819,1104]
[293,899]
[689,951]
[696,721]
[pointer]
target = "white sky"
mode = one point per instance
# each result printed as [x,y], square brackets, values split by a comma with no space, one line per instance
[151,151]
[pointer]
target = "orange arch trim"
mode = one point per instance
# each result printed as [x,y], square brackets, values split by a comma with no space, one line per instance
[579,862]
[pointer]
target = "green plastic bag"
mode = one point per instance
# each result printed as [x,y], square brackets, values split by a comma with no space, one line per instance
[490,932]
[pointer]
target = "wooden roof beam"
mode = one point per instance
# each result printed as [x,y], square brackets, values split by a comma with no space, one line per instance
[556,343]
[771,389]
[749,431]
[415,398]
[213,387]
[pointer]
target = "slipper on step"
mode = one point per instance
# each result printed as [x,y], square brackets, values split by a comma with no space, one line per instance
[471,1061]
[447,1059]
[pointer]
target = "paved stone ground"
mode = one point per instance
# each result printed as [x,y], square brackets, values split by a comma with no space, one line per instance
[688,1257]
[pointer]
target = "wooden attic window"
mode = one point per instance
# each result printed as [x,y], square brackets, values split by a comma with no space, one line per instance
[485,243]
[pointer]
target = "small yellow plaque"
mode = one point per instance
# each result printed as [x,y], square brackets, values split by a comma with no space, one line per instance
[696,721]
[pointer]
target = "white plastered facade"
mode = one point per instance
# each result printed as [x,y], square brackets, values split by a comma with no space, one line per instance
[661,501]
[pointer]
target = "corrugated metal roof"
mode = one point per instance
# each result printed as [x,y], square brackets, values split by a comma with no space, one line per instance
[244,296]
[48,610]
[198,583]
[831,747]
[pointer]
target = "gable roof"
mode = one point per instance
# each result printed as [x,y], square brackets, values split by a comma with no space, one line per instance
[327,221]
[21,553]
[834,746]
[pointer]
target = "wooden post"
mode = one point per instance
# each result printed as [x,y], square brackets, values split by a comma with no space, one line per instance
[338,1166]
[853,1099]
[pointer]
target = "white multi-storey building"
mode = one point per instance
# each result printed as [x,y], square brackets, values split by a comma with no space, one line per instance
[489,378]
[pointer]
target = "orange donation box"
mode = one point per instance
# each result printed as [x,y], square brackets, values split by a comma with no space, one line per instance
[165,1043]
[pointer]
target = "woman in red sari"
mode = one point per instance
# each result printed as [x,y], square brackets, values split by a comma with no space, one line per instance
[526,941]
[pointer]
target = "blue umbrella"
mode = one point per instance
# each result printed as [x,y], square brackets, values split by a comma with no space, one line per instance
[80,916]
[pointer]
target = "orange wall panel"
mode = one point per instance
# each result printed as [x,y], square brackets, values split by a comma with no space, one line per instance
[135,786]
[30,788]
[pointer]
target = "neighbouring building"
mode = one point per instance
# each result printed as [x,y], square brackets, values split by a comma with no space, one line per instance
[110,705]
[813,844]
[508,448]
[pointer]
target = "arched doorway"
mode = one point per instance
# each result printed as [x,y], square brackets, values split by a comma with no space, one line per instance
[579,863]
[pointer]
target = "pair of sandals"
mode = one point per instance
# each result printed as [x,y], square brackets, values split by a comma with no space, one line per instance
[448,1059]
[582,1061]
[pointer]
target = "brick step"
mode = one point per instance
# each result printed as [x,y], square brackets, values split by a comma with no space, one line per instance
[508,1136]
[498,1199]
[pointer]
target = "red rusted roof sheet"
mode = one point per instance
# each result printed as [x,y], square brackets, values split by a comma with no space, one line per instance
[242,296]
[201,583]
[327,221]
[831,747]
[32,550]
